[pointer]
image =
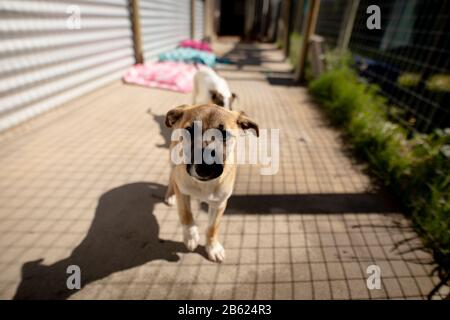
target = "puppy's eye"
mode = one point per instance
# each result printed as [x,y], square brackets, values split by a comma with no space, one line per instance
[189,128]
[225,134]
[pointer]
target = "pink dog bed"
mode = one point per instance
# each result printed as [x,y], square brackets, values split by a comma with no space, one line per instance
[195,44]
[175,76]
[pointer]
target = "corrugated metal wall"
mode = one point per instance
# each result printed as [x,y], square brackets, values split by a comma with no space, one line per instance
[164,24]
[45,60]
[199,19]
[48,56]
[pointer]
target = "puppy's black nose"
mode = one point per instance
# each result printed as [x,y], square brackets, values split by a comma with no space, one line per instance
[208,171]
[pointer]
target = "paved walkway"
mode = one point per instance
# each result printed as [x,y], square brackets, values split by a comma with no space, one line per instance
[83,185]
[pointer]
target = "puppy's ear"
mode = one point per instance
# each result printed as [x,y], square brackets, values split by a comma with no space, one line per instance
[174,115]
[233,98]
[216,97]
[245,123]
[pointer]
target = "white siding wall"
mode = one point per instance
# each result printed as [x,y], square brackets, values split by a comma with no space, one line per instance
[199,19]
[43,63]
[164,24]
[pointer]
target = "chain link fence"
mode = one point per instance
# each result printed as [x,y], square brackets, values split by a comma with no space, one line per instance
[408,57]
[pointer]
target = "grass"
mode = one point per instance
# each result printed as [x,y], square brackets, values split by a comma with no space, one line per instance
[416,170]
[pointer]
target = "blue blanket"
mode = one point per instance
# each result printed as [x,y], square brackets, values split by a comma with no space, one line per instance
[189,55]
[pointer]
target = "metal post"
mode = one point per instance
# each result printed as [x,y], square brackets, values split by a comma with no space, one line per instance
[347,24]
[313,12]
[209,19]
[136,25]
[286,26]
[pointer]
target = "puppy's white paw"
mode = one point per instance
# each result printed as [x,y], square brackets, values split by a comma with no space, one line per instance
[191,237]
[170,201]
[215,252]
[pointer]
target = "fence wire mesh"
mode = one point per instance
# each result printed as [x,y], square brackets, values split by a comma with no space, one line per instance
[331,20]
[408,57]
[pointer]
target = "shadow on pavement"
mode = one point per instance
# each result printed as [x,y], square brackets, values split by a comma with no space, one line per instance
[241,55]
[164,131]
[124,234]
[312,203]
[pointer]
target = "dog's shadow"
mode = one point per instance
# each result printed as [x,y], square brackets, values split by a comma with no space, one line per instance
[164,131]
[124,234]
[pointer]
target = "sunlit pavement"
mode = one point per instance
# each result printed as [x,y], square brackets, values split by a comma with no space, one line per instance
[83,185]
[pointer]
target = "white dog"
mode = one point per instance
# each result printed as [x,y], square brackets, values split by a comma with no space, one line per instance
[209,87]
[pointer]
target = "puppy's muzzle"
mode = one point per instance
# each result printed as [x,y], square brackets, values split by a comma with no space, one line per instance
[210,168]
[208,171]
[205,172]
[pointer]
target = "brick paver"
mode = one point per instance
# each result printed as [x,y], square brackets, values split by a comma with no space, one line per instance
[83,185]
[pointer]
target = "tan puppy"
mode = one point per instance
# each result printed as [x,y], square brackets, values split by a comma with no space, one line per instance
[211,183]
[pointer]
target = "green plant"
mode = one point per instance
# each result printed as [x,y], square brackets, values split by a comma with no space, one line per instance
[439,82]
[409,79]
[417,170]
[430,183]
[295,43]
